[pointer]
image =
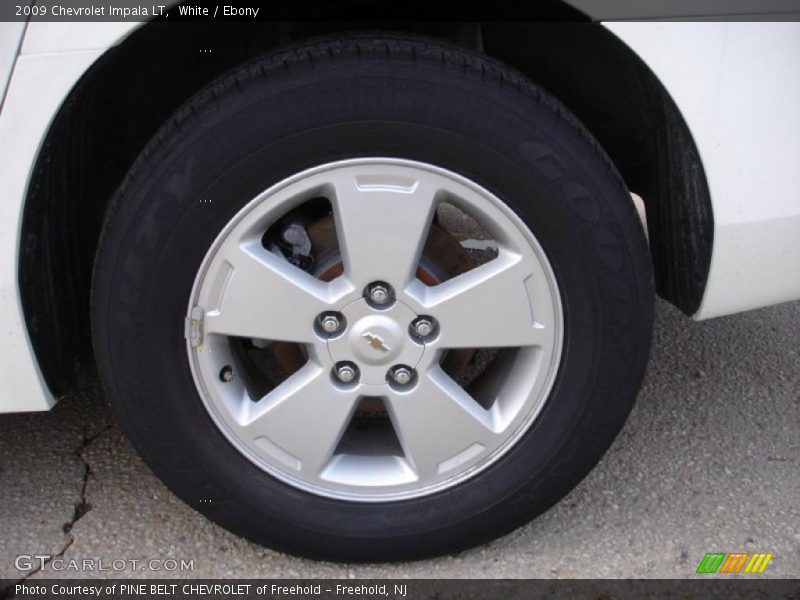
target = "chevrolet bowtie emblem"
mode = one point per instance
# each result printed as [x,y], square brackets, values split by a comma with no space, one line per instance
[376,342]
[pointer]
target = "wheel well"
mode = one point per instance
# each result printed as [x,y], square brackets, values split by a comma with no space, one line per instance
[122,100]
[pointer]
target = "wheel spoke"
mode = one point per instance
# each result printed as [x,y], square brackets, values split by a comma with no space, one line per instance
[487,307]
[264,296]
[382,225]
[301,421]
[439,425]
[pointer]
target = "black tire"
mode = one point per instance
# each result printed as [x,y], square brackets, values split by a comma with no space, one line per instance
[370,96]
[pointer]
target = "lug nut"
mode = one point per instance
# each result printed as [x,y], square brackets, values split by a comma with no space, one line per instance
[330,323]
[423,326]
[226,374]
[379,293]
[346,372]
[401,375]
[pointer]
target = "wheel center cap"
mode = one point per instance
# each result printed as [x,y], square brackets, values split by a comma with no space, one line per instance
[376,340]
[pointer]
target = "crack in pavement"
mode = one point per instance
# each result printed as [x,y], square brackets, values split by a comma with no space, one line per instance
[82,506]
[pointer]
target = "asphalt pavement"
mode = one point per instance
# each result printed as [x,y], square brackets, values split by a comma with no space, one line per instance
[708,461]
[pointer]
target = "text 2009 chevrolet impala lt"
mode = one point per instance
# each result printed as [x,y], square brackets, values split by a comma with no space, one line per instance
[390,294]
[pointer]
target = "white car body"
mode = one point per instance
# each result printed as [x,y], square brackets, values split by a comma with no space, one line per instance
[737,86]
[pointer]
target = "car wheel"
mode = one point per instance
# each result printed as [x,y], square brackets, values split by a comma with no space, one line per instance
[372,298]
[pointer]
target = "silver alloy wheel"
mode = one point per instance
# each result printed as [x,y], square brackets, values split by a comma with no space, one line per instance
[383,209]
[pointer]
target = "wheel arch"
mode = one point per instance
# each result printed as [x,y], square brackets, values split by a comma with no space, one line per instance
[123,98]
